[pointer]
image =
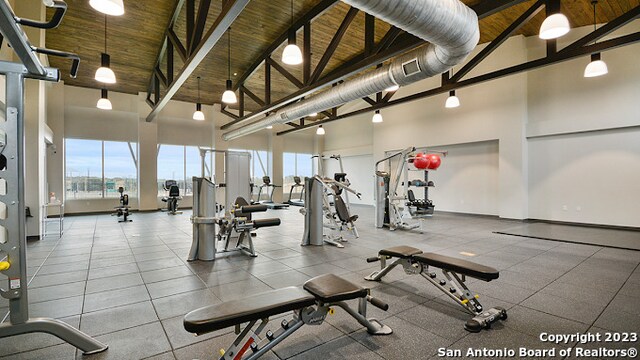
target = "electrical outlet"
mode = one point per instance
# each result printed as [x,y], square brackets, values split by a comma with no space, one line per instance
[565,207]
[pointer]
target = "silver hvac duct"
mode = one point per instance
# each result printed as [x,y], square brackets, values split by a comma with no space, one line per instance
[450,27]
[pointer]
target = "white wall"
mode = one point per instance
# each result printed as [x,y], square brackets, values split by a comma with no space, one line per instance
[503,132]
[587,178]
[468,179]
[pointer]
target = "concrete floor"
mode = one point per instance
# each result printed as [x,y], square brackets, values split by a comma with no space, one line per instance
[129,286]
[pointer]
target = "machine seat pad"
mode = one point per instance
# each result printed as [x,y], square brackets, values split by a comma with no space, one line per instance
[400,251]
[460,266]
[255,307]
[258,223]
[330,288]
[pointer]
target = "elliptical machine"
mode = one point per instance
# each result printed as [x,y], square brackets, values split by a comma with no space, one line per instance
[123,209]
[174,195]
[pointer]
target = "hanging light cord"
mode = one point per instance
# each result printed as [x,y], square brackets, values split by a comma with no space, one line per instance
[229,53]
[291,12]
[594,2]
[198,89]
[105,34]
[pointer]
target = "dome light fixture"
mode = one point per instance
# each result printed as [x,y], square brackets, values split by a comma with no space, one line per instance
[377,117]
[452,100]
[320,130]
[596,67]
[104,74]
[554,26]
[198,114]
[108,7]
[229,97]
[103,102]
[313,114]
[292,55]
[270,127]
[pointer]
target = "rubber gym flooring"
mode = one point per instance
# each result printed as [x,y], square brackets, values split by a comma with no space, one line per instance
[623,239]
[129,285]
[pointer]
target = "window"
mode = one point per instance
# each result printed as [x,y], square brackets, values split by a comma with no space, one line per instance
[95,169]
[119,168]
[179,163]
[295,165]
[259,167]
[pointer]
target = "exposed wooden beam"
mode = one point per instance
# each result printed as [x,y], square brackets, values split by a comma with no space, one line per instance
[171,35]
[229,13]
[201,20]
[306,53]
[369,33]
[317,10]
[333,45]
[229,114]
[285,73]
[253,96]
[523,19]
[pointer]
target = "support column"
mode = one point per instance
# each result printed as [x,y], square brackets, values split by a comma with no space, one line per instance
[147,158]
[276,149]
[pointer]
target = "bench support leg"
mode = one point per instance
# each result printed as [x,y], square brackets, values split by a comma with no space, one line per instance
[384,268]
[374,327]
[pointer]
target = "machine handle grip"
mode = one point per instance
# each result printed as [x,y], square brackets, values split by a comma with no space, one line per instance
[373,259]
[378,303]
[253,208]
[56,19]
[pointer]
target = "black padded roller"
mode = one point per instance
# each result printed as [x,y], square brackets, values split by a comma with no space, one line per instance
[253,208]
[373,259]
[258,223]
[378,303]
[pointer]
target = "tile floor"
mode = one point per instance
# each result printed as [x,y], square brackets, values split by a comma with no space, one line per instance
[129,286]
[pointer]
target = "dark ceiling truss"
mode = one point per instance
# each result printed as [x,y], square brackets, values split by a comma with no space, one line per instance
[393,43]
[582,47]
[195,48]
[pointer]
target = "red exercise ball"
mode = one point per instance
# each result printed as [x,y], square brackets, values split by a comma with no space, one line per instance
[434,161]
[421,161]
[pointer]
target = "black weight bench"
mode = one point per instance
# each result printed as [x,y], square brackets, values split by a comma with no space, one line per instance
[310,305]
[454,270]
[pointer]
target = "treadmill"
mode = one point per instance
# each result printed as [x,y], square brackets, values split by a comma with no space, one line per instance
[298,183]
[266,183]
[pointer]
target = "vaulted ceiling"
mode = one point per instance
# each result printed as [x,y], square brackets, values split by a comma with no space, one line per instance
[134,40]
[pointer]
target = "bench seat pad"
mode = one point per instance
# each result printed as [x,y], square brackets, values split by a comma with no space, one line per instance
[400,251]
[255,307]
[461,266]
[330,288]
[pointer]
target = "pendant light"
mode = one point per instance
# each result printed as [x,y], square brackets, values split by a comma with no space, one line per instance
[320,130]
[103,102]
[198,114]
[596,67]
[377,117]
[229,97]
[554,26]
[292,55]
[269,127]
[313,114]
[452,100]
[104,73]
[108,7]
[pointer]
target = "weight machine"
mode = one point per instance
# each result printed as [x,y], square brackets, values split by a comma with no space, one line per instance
[233,217]
[396,205]
[13,247]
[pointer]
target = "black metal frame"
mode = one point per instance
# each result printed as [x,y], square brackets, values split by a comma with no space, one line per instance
[576,49]
[198,44]
[395,42]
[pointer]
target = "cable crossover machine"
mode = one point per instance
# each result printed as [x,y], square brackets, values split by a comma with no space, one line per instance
[13,246]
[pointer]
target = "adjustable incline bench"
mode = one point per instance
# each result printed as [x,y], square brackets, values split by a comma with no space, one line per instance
[455,271]
[309,303]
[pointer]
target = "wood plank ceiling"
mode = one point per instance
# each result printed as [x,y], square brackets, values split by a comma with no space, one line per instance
[134,41]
